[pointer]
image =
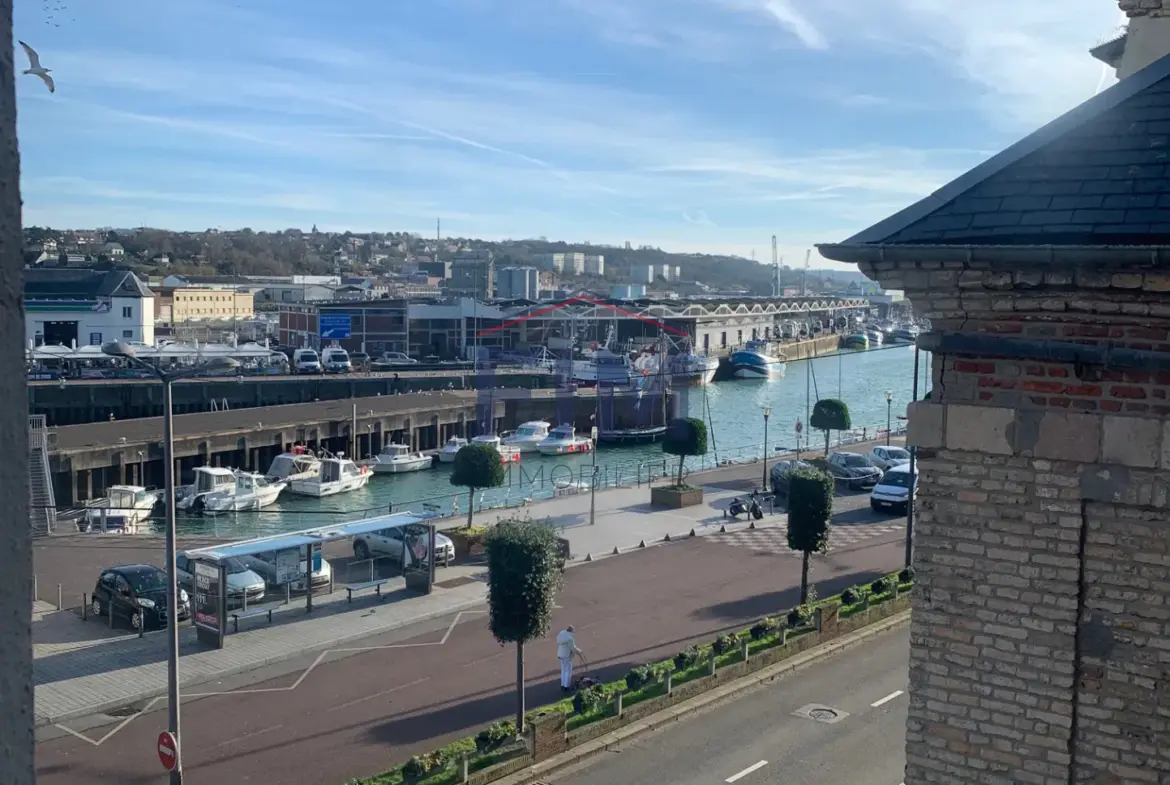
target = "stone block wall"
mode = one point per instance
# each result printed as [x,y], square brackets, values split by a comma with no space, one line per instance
[1040,641]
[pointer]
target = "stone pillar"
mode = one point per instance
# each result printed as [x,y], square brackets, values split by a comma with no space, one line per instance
[1041,624]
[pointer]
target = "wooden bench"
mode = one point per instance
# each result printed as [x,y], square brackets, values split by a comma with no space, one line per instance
[376,585]
[254,610]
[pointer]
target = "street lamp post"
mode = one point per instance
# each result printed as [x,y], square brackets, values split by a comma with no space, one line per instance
[127,352]
[889,409]
[767,414]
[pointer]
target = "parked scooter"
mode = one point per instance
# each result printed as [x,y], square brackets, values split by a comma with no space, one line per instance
[751,507]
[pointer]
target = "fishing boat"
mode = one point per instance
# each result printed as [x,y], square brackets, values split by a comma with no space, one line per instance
[756,361]
[124,509]
[528,436]
[623,436]
[296,464]
[252,491]
[508,453]
[905,334]
[208,480]
[338,474]
[563,440]
[876,337]
[855,341]
[602,367]
[453,445]
[398,459]
[692,369]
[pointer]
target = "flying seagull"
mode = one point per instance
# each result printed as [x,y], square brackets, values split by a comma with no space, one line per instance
[35,68]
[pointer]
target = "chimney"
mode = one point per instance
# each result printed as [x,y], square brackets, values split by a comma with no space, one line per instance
[1143,40]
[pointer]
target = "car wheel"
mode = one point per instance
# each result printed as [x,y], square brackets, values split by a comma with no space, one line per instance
[96,606]
[136,620]
[874,505]
[361,551]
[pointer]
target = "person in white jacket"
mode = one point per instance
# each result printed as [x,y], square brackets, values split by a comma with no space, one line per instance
[566,648]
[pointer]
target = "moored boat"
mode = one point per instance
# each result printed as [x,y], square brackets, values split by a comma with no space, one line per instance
[756,361]
[563,440]
[398,459]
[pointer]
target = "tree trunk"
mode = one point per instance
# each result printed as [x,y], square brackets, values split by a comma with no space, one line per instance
[826,442]
[681,458]
[519,686]
[470,505]
[803,577]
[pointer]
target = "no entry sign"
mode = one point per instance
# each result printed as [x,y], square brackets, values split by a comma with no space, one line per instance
[168,754]
[799,426]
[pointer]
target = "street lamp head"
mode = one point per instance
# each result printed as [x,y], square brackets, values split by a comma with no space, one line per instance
[118,349]
[889,396]
[767,412]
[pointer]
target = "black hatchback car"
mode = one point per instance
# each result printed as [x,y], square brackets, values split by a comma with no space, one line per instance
[781,475]
[138,594]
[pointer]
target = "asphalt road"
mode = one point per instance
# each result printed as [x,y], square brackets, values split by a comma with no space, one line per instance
[760,739]
[415,689]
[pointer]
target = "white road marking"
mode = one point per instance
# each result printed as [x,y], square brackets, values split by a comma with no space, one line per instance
[886,699]
[378,694]
[238,739]
[747,771]
[353,649]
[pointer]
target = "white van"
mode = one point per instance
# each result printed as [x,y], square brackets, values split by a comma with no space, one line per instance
[893,490]
[306,361]
[336,360]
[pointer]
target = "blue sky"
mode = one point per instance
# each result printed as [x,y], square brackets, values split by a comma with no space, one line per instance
[701,125]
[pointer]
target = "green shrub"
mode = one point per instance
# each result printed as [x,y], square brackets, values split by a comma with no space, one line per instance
[799,616]
[589,699]
[639,677]
[419,766]
[854,595]
[688,658]
[763,628]
[880,586]
[906,575]
[494,735]
[725,644]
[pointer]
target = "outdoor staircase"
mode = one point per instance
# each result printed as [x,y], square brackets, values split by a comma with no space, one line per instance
[42,508]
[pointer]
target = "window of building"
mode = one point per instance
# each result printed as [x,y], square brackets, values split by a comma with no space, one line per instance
[127,311]
[127,333]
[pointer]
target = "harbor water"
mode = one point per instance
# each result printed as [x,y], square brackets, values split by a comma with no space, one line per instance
[733,410]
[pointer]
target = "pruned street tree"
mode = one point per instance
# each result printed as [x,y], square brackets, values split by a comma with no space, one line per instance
[830,415]
[810,512]
[685,437]
[477,466]
[525,568]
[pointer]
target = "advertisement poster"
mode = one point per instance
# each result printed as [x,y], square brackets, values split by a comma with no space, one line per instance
[208,608]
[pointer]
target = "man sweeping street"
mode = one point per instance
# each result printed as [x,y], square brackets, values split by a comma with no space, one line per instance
[566,648]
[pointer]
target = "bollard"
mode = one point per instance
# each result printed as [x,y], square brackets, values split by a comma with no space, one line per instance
[722,529]
[669,680]
[110,616]
[783,636]
[617,703]
[60,605]
[744,649]
[84,607]
[692,534]
[142,623]
[36,594]
[666,538]
[287,593]
[464,769]
[712,665]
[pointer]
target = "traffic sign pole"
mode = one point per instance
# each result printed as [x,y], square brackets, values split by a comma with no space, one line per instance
[799,430]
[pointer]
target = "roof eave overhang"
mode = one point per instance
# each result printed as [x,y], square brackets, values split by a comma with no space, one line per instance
[1110,52]
[1033,255]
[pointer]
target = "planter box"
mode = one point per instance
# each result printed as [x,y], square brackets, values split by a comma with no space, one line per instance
[675,498]
[467,547]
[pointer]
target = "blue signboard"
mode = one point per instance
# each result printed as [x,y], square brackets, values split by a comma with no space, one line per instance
[334,326]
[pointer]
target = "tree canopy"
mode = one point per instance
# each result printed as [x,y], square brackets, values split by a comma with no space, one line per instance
[685,436]
[524,575]
[810,513]
[478,466]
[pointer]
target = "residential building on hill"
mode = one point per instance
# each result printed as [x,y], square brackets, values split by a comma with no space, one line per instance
[78,307]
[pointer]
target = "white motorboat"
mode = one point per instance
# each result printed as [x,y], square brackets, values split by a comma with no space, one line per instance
[691,369]
[338,474]
[208,480]
[398,459]
[125,509]
[756,361]
[563,440]
[528,436]
[297,464]
[453,445]
[252,491]
[905,334]
[508,453]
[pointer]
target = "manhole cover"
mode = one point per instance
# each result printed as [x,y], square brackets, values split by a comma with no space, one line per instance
[820,713]
[122,711]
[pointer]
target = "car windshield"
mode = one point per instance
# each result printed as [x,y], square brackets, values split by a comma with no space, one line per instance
[898,454]
[854,461]
[897,479]
[146,581]
[235,566]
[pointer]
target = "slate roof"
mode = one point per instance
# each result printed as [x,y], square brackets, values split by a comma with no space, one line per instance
[81,284]
[1098,175]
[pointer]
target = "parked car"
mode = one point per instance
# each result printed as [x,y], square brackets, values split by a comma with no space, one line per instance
[138,594]
[854,469]
[893,490]
[306,361]
[391,360]
[781,475]
[389,542]
[887,457]
[359,360]
[242,582]
[334,359]
[264,564]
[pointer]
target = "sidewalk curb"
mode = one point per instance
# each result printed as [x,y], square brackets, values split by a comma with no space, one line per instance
[706,700]
[145,695]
